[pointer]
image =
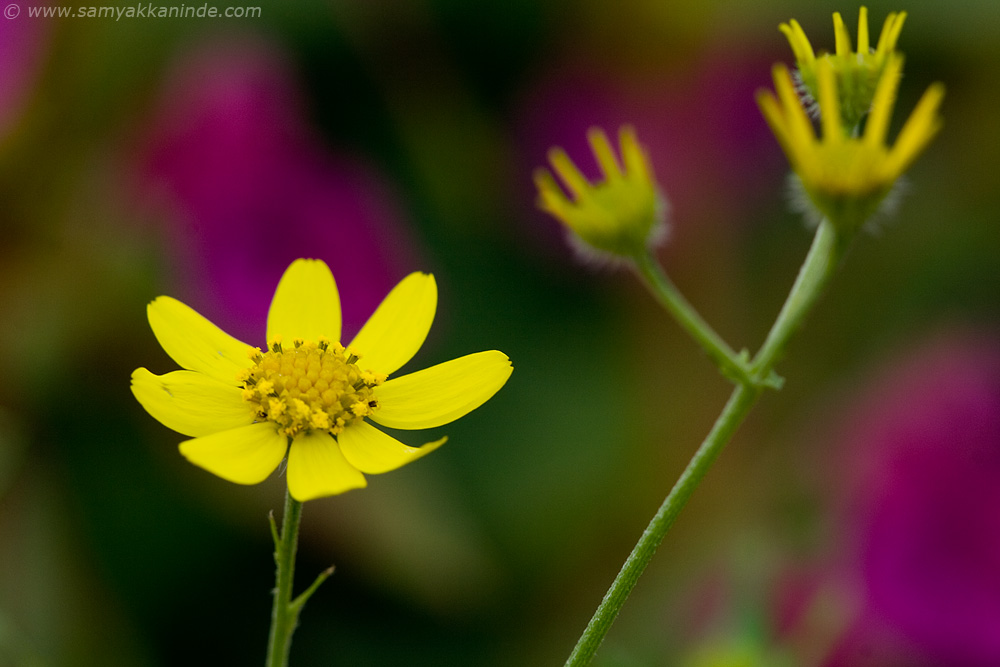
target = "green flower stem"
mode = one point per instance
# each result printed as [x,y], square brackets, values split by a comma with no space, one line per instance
[283,617]
[742,399]
[285,611]
[733,366]
[823,257]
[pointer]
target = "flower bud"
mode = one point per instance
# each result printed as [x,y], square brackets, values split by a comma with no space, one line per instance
[622,215]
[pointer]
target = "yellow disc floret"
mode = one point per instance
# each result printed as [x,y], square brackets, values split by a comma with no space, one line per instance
[310,387]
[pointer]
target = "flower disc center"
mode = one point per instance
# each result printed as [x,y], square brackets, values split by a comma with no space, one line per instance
[311,387]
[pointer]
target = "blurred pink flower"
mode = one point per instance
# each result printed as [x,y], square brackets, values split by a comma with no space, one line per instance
[23,44]
[924,489]
[250,187]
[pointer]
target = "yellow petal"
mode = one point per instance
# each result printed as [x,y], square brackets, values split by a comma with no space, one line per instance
[570,175]
[769,106]
[306,304]
[195,343]
[245,455]
[797,39]
[397,329]
[877,125]
[191,403]
[863,45]
[637,165]
[551,198]
[604,154]
[918,130]
[372,451]
[842,39]
[890,32]
[829,104]
[797,125]
[443,393]
[316,468]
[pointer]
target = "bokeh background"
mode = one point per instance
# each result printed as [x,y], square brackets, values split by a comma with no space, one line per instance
[854,520]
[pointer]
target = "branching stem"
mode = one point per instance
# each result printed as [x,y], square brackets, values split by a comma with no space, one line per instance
[750,378]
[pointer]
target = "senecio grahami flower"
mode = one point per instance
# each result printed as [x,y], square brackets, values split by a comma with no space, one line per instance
[857,72]
[847,175]
[622,215]
[306,396]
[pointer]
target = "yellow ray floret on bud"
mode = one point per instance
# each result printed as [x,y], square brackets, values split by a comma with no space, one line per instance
[857,72]
[846,176]
[801,47]
[622,214]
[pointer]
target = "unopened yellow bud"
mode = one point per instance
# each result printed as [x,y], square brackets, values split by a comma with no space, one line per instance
[856,72]
[623,214]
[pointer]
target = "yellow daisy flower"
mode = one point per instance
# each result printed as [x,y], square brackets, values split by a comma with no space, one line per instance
[847,176]
[857,72]
[306,395]
[621,215]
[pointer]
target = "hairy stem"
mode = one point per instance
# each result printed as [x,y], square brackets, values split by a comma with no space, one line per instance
[666,293]
[750,379]
[742,399]
[284,617]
